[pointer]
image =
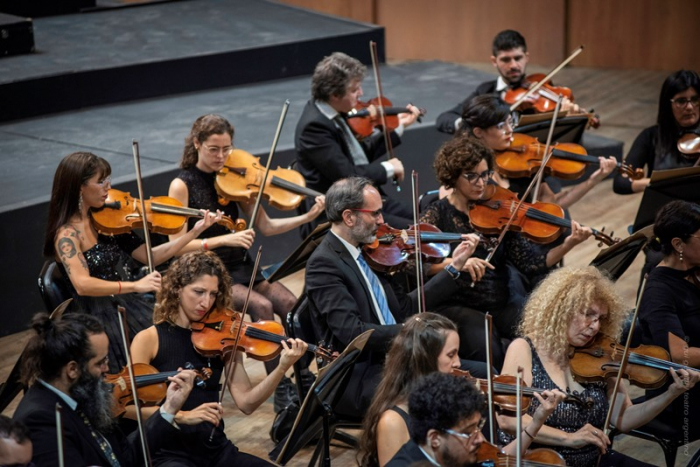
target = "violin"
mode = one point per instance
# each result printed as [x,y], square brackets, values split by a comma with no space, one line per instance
[546,96]
[647,367]
[539,222]
[152,386]
[505,392]
[216,333]
[689,144]
[568,161]
[366,116]
[393,248]
[121,213]
[240,178]
[490,454]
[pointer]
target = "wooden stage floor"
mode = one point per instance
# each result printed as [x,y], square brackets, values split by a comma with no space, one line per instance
[627,103]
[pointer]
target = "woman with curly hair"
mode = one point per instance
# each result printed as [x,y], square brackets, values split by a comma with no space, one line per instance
[196,283]
[569,309]
[670,307]
[466,165]
[427,343]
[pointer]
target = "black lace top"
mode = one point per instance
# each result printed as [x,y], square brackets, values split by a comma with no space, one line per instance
[568,416]
[491,292]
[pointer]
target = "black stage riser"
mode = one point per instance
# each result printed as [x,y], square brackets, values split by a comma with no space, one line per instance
[63,92]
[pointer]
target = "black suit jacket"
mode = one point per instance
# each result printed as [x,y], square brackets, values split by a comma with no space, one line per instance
[342,309]
[37,411]
[446,120]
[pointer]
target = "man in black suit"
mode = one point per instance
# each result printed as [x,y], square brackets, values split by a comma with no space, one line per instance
[326,149]
[67,361]
[346,298]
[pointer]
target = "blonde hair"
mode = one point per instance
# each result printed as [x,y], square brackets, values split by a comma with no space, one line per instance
[556,301]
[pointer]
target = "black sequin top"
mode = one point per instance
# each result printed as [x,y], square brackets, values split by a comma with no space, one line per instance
[491,292]
[568,416]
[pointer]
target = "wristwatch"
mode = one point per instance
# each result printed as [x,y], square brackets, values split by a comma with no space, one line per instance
[452,271]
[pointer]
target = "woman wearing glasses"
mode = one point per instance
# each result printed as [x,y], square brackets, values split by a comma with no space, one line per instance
[464,164]
[206,149]
[104,271]
[427,343]
[488,118]
[656,147]
[568,310]
[670,309]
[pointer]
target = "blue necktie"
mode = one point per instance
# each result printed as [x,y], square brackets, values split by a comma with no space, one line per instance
[377,291]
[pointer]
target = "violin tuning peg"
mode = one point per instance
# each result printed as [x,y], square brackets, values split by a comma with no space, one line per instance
[188,366]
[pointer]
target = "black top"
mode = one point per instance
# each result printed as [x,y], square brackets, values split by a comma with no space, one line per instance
[645,151]
[446,120]
[568,416]
[403,413]
[671,304]
[491,292]
[407,455]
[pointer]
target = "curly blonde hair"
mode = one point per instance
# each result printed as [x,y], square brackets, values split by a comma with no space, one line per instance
[183,271]
[556,301]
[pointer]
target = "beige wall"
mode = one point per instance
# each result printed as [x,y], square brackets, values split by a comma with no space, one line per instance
[650,34]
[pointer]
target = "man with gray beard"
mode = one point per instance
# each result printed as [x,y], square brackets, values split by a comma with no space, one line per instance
[66,361]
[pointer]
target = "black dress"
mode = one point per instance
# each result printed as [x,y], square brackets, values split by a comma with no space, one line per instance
[671,304]
[202,195]
[193,446]
[110,259]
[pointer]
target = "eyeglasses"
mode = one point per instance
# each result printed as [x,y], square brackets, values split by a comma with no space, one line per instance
[466,436]
[215,150]
[681,102]
[105,181]
[104,361]
[376,214]
[473,177]
[591,318]
[502,126]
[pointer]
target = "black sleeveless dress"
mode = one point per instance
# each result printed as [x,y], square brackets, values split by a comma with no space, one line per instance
[110,259]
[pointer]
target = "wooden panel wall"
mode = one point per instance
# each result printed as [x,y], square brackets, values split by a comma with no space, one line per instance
[627,34]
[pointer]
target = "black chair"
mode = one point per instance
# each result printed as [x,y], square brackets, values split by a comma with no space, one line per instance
[427,198]
[53,286]
[317,418]
[300,325]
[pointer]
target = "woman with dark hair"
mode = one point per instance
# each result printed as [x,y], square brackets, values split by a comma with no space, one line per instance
[196,283]
[656,147]
[205,153]
[104,271]
[465,165]
[489,119]
[427,343]
[669,313]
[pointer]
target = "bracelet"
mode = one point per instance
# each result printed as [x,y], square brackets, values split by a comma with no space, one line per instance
[531,437]
[205,247]
[119,283]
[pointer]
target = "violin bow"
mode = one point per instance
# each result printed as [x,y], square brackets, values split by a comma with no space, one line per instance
[623,361]
[378,84]
[417,241]
[519,417]
[547,155]
[230,367]
[59,434]
[137,404]
[146,233]
[546,79]
[488,323]
[256,208]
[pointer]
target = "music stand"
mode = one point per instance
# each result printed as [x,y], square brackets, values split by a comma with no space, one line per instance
[616,259]
[297,260]
[666,186]
[317,412]
[569,129]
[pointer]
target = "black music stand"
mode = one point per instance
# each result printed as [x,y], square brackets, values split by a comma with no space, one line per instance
[297,260]
[568,129]
[666,186]
[616,259]
[317,415]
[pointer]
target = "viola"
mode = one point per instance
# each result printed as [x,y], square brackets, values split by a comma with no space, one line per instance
[151,385]
[393,248]
[689,144]
[504,388]
[545,98]
[568,160]
[121,213]
[647,367]
[240,179]
[215,335]
[489,454]
[366,116]
[540,222]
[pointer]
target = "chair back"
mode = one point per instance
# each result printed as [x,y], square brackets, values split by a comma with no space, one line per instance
[53,286]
